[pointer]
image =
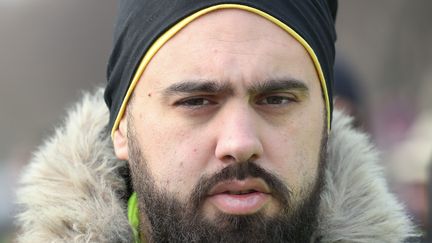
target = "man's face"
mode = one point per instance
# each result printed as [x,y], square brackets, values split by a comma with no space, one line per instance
[226,127]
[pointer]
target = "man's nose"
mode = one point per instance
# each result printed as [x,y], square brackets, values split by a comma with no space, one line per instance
[238,139]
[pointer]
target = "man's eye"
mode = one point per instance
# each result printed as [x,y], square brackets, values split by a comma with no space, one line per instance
[275,100]
[194,102]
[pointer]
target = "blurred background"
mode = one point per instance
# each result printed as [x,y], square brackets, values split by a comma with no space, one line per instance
[52,50]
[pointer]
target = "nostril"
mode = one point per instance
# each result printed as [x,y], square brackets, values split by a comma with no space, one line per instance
[229,158]
[253,157]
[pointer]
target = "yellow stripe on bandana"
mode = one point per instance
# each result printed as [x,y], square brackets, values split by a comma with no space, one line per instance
[180,25]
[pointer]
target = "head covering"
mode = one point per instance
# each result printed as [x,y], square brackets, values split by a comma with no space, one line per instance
[143,26]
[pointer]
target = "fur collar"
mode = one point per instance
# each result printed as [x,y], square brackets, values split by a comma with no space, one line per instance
[71,191]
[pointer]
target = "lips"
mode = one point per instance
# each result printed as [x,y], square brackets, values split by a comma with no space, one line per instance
[240,197]
[240,192]
[240,187]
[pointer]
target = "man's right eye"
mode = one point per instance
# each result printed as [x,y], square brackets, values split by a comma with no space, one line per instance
[194,102]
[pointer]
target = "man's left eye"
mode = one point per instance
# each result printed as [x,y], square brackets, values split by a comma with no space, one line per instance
[275,100]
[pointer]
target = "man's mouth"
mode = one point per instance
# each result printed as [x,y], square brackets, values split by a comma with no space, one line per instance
[240,197]
[240,192]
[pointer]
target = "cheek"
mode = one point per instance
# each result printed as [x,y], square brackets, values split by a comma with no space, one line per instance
[175,155]
[294,151]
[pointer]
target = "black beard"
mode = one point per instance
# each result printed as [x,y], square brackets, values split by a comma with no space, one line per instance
[166,219]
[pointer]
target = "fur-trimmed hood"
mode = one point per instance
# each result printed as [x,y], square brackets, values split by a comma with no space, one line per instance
[73,189]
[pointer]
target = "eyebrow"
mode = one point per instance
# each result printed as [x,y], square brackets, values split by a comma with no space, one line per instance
[279,85]
[208,86]
[198,86]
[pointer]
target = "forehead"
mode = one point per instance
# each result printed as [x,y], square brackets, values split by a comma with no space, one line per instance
[227,44]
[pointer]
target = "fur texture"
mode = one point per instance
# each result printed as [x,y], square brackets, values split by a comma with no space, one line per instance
[72,190]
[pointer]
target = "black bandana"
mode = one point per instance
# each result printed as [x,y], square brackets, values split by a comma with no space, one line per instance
[141,22]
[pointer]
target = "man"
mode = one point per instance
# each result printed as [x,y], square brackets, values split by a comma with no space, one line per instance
[221,131]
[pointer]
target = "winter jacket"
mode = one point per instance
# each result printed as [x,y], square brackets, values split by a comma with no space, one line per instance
[74,189]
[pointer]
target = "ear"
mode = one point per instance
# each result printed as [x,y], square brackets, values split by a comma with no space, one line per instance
[120,140]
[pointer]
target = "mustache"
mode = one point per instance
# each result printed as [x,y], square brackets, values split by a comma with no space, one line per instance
[240,171]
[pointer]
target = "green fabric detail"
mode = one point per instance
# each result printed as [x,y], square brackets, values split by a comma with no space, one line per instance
[133,216]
